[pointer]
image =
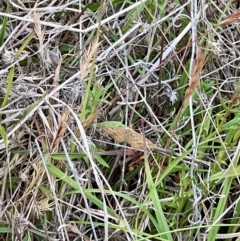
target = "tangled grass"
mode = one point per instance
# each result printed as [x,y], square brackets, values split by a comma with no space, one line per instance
[119,120]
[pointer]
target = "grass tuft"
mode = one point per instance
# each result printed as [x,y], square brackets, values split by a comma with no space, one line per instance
[119,120]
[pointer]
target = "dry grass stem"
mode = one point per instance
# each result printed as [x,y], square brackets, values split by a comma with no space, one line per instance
[195,79]
[74,75]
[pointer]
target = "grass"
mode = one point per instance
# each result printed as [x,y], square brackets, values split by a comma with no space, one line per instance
[119,120]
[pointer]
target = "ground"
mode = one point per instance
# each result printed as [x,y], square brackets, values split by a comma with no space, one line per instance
[119,120]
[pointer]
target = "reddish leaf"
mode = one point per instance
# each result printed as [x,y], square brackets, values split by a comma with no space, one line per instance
[235,17]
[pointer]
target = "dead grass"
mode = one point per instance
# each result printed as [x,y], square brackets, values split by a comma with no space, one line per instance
[119,120]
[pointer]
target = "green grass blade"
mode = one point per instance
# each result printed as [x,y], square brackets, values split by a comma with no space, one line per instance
[3,134]
[162,226]
[25,44]
[220,208]
[9,87]
[4,25]
[222,201]
[68,180]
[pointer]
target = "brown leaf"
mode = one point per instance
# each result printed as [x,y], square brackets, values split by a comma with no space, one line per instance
[74,229]
[90,119]
[231,19]
[129,152]
[126,134]
[63,119]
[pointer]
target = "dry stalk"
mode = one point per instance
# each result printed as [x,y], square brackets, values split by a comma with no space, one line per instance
[194,81]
